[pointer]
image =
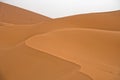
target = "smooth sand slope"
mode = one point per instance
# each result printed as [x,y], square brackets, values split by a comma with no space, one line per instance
[19,33]
[107,20]
[76,76]
[97,51]
[14,15]
[11,44]
[25,63]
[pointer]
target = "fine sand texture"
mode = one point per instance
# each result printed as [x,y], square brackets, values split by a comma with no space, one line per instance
[97,51]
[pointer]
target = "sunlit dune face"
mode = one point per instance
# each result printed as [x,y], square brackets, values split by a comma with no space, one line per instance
[105,21]
[92,42]
[88,47]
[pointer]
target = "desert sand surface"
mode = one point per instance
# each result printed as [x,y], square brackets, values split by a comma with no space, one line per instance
[33,46]
[20,19]
[96,50]
[20,33]
[103,21]
[106,21]
[76,76]
[14,15]
[25,63]
[20,62]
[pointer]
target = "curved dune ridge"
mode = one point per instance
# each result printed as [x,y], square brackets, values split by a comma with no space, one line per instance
[80,47]
[22,62]
[97,51]
[104,21]
[101,21]
[25,63]
[19,64]
[20,34]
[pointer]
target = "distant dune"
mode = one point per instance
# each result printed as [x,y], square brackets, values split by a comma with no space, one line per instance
[11,14]
[104,21]
[107,20]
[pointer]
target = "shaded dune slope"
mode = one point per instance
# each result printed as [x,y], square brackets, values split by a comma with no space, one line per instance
[25,63]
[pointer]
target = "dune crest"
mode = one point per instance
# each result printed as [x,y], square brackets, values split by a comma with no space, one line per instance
[106,20]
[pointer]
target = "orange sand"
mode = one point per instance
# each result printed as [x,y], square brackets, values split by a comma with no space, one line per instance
[20,62]
[14,15]
[35,47]
[81,46]
[25,63]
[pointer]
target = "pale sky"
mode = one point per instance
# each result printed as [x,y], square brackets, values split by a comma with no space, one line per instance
[62,8]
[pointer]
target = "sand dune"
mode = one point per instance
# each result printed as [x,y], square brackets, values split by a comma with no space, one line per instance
[25,63]
[57,48]
[103,21]
[12,43]
[107,20]
[22,62]
[97,51]
[11,14]
[22,32]
[12,34]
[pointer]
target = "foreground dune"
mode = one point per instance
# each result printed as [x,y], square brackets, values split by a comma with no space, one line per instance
[25,63]
[97,51]
[12,50]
